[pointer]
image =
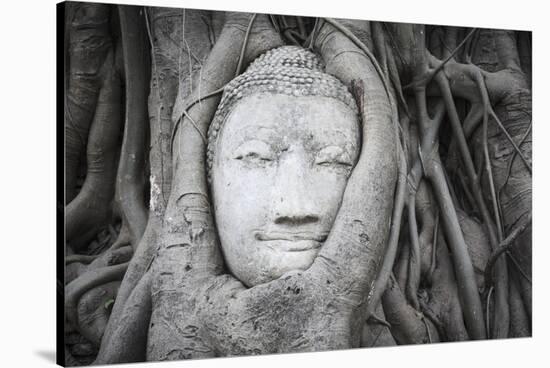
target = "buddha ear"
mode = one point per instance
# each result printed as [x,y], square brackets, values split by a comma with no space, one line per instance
[355,247]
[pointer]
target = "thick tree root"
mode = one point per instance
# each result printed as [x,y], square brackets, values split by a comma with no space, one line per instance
[128,338]
[88,42]
[130,193]
[86,282]
[93,311]
[408,325]
[90,210]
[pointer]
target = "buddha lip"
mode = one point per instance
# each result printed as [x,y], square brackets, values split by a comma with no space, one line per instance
[293,236]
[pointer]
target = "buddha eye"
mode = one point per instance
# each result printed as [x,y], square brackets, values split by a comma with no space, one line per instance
[254,152]
[253,156]
[333,156]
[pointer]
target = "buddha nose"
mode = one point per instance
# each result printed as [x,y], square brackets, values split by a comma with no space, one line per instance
[293,192]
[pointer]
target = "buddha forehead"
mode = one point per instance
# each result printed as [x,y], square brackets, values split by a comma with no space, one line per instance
[285,88]
[280,119]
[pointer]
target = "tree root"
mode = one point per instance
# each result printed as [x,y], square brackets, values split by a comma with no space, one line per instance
[413,279]
[87,44]
[79,258]
[504,246]
[138,266]
[377,331]
[393,240]
[91,208]
[520,324]
[93,311]
[86,282]
[127,341]
[130,183]
[408,325]
[444,299]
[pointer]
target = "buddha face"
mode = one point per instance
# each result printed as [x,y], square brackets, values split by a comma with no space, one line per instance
[278,176]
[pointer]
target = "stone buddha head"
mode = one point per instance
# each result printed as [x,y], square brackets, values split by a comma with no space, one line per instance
[281,147]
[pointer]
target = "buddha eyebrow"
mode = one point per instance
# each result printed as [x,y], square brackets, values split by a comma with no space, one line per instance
[255,129]
[340,140]
[257,132]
